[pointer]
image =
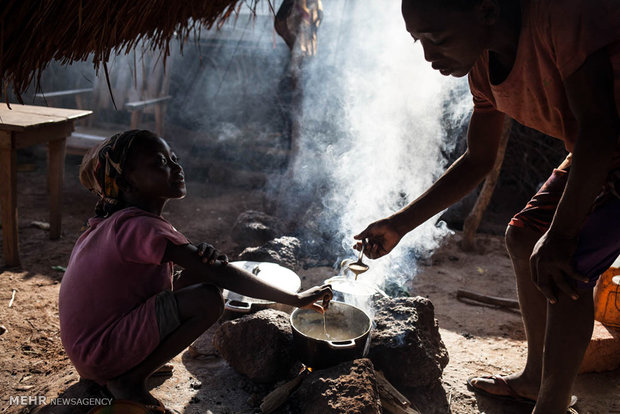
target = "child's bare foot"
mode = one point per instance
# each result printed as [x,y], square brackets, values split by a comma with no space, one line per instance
[513,386]
[125,390]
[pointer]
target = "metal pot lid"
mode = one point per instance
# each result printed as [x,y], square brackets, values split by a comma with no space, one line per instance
[271,273]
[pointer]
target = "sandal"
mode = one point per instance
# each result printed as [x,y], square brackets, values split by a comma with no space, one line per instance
[511,394]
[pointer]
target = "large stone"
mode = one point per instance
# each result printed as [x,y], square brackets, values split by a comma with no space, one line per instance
[203,345]
[350,387]
[406,344]
[283,251]
[255,228]
[603,352]
[259,346]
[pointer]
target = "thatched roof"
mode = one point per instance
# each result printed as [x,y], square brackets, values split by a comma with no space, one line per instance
[35,32]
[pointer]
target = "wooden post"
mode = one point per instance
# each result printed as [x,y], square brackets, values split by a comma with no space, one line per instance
[8,200]
[55,179]
[475,216]
[159,118]
[135,119]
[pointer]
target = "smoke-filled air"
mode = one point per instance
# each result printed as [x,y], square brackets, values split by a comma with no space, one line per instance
[375,121]
[373,131]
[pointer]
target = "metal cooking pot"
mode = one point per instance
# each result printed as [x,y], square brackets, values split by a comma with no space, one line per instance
[272,273]
[349,326]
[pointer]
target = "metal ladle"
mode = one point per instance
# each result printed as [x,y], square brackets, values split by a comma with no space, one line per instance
[359,267]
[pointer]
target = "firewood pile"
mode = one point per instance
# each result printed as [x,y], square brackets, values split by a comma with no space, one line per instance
[392,401]
[406,353]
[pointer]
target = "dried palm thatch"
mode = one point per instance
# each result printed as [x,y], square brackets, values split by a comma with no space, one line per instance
[35,32]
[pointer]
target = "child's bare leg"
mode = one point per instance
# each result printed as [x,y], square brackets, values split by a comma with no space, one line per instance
[569,329]
[199,306]
[520,242]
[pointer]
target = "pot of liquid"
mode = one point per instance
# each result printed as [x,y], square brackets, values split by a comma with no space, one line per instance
[237,305]
[340,334]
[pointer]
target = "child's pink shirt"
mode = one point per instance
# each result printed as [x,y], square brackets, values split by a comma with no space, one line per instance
[107,295]
[556,38]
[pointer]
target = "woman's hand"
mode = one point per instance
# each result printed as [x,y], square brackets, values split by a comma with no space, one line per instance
[551,267]
[382,236]
[321,294]
[209,254]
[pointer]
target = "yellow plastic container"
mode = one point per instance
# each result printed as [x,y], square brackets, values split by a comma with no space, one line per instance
[607,298]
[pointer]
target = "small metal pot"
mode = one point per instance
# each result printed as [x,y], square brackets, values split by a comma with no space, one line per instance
[353,323]
[236,305]
[356,292]
[345,287]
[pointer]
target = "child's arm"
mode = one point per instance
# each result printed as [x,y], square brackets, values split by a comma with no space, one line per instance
[590,91]
[241,281]
[462,177]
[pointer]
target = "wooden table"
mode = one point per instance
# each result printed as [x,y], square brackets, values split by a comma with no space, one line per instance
[20,127]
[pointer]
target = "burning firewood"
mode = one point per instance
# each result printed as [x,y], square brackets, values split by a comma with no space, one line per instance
[277,397]
[391,399]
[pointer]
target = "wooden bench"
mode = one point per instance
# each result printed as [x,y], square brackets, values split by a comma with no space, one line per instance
[159,106]
[78,143]
[86,137]
[142,90]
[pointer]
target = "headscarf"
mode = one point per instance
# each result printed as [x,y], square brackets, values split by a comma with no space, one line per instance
[101,168]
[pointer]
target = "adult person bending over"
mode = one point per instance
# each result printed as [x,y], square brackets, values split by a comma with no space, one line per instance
[553,65]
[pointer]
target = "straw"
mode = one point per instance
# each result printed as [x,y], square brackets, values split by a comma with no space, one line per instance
[34,33]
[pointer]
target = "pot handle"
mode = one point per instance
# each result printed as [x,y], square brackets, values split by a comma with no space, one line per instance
[341,344]
[237,306]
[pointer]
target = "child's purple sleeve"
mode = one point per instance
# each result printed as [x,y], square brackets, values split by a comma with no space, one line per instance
[144,239]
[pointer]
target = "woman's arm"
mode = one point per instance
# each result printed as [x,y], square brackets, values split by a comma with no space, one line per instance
[221,274]
[463,176]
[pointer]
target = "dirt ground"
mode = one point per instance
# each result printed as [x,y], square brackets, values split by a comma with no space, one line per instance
[480,340]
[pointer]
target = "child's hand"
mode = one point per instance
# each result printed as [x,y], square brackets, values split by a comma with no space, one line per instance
[308,298]
[209,254]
